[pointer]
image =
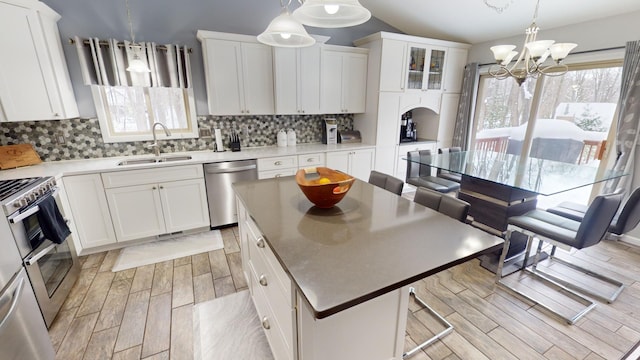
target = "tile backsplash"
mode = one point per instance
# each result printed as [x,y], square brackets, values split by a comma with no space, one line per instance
[83,139]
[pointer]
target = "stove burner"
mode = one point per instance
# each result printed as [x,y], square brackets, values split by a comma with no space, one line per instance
[10,187]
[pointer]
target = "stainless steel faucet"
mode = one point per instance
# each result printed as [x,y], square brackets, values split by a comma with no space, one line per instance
[155,146]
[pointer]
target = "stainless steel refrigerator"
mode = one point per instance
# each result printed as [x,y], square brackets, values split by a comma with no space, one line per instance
[23,334]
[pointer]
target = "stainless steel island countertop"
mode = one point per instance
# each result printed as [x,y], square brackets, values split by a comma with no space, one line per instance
[370,243]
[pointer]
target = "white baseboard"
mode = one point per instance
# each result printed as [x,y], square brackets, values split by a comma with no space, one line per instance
[630,240]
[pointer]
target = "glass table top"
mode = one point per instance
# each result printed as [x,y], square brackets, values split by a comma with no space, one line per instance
[541,176]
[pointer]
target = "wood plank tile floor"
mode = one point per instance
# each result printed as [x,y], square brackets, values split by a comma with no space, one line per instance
[146,312]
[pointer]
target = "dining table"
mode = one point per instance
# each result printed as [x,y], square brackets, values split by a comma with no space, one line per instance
[499,185]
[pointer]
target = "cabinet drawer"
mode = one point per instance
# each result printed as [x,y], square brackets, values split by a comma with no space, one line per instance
[148,176]
[258,248]
[276,173]
[308,160]
[275,163]
[276,337]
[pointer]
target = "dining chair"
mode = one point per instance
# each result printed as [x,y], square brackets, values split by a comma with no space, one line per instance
[419,173]
[445,174]
[452,207]
[564,233]
[386,182]
[624,221]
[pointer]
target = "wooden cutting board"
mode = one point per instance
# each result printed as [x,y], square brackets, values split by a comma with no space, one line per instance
[13,156]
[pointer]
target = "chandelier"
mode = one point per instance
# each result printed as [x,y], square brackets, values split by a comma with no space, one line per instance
[534,53]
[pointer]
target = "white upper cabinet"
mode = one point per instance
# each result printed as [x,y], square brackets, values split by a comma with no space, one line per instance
[344,80]
[297,80]
[425,67]
[34,79]
[239,74]
[454,70]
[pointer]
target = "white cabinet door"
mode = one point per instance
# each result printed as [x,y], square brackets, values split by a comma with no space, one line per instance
[357,163]
[354,83]
[447,123]
[392,65]
[34,81]
[184,204]
[331,97]
[257,74]
[136,211]
[339,160]
[454,70]
[343,81]
[225,91]
[297,80]
[89,210]
[361,163]
[239,76]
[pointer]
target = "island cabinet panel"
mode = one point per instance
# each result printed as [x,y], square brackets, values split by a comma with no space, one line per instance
[371,330]
[271,289]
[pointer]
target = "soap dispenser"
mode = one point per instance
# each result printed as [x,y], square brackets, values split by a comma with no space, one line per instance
[291,137]
[282,138]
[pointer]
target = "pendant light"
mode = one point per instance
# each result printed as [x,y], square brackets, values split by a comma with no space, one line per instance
[331,13]
[136,64]
[285,31]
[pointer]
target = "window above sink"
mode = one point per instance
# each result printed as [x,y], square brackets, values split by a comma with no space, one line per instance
[126,113]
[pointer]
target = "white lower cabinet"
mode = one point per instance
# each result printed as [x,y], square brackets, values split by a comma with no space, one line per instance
[89,211]
[357,163]
[288,165]
[146,203]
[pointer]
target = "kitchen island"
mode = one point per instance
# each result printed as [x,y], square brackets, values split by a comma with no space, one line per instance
[333,283]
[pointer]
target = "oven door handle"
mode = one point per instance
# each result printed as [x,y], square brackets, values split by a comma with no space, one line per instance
[32,259]
[23,215]
[14,302]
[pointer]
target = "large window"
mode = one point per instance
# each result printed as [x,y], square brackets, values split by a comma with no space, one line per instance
[561,118]
[127,113]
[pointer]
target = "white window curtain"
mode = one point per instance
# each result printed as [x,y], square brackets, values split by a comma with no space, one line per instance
[104,62]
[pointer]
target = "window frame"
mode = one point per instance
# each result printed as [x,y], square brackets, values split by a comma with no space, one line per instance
[106,126]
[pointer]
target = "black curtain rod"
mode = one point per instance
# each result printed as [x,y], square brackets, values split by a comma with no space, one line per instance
[577,53]
[85,42]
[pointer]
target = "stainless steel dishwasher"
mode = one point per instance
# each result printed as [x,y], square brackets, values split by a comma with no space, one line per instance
[218,178]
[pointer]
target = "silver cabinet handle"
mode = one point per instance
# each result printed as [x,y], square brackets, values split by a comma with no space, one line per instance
[265,323]
[263,280]
[310,160]
[161,187]
[277,163]
[153,188]
[260,243]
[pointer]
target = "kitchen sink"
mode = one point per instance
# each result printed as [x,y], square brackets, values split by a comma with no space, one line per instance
[152,160]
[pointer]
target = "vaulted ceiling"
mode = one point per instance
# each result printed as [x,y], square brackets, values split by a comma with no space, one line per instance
[472,21]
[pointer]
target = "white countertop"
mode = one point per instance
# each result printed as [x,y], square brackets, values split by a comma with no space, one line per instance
[87,166]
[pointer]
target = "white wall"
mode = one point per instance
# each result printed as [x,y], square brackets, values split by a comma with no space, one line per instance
[593,35]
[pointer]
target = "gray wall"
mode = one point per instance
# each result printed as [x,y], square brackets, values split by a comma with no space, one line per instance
[176,22]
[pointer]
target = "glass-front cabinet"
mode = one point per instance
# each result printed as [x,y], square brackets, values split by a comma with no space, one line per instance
[425,68]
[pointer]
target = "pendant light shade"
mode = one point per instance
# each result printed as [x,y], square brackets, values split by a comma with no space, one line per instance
[331,13]
[136,64]
[285,31]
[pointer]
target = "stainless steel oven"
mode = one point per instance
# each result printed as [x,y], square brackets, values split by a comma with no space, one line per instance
[52,267]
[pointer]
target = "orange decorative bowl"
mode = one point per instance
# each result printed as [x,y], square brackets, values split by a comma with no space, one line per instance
[323,186]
